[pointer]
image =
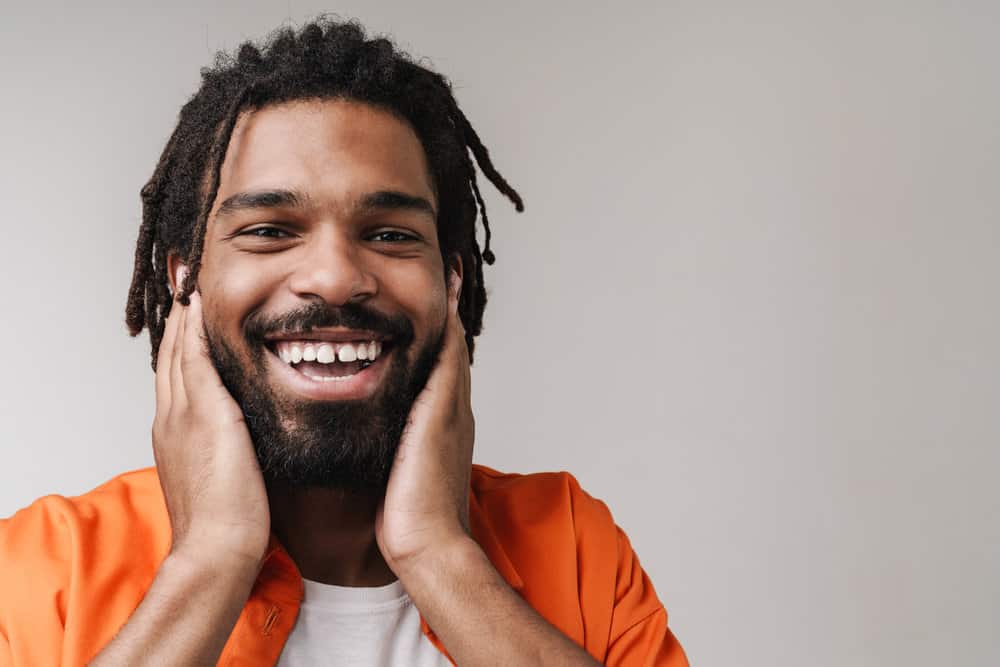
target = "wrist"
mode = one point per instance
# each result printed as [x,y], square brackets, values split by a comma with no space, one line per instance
[460,553]
[230,559]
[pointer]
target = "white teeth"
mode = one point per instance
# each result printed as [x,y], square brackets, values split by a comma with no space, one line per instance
[331,378]
[325,354]
[347,353]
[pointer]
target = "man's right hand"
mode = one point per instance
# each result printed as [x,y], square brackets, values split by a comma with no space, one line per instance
[205,458]
[218,509]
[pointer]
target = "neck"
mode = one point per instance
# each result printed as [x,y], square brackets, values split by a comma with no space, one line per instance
[330,534]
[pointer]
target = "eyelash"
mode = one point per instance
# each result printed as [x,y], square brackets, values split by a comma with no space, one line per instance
[252,232]
[406,237]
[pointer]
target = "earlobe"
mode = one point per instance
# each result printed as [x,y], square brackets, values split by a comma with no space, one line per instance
[176,270]
[455,274]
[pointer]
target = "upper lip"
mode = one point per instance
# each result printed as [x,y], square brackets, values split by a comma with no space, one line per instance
[331,335]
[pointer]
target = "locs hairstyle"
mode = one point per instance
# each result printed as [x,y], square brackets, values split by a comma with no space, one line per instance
[324,59]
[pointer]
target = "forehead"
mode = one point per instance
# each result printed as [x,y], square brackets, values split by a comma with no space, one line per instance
[333,150]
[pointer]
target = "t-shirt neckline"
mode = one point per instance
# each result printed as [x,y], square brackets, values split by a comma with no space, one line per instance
[345,597]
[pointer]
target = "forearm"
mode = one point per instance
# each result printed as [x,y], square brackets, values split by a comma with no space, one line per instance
[186,616]
[479,618]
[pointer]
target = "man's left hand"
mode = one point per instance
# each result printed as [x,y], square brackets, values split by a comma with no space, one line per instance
[422,529]
[426,504]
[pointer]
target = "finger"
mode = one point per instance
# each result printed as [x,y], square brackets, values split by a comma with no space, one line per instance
[164,356]
[455,322]
[199,372]
[454,291]
[449,374]
[178,395]
[460,351]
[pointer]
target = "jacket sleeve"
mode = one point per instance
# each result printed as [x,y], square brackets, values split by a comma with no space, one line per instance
[625,623]
[6,660]
[639,633]
[34,581]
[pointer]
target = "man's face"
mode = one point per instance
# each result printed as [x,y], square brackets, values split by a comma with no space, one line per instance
[324,234]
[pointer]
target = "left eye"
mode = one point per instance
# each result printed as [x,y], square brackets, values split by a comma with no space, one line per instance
[264,232]
[397,236]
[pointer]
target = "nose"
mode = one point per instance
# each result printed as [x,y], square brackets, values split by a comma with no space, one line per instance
[331,268]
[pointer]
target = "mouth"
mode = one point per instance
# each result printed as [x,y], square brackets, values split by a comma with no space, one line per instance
[329,369]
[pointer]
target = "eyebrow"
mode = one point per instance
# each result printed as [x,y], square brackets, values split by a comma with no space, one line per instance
[390,200]
[242,201]
[381,200]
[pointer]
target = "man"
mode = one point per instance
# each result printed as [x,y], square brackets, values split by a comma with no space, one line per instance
[308,270]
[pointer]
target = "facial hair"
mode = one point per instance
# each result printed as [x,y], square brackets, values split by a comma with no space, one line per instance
[347,445]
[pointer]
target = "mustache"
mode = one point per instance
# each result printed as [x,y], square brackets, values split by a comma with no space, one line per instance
[317,314]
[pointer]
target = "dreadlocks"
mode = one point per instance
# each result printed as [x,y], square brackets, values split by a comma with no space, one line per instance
[323,60]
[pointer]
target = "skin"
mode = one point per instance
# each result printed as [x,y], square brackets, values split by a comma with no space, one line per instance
[334,153]
[221,510]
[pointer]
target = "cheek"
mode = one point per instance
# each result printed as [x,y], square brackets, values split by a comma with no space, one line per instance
[427,298]
[230,295]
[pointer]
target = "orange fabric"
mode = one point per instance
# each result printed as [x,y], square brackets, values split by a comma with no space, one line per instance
[72,570]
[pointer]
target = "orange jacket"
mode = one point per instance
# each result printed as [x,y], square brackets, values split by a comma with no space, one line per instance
[72,571]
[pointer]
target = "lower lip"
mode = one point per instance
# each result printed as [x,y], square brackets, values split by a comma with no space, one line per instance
[361,385]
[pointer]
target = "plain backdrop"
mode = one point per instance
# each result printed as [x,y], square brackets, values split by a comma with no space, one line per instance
[751,305]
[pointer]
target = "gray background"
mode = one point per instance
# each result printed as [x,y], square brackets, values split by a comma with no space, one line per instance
[751,304]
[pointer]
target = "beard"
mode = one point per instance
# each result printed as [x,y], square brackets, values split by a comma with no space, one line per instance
[347,445]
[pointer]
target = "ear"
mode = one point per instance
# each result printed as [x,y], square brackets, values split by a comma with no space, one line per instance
[176,270]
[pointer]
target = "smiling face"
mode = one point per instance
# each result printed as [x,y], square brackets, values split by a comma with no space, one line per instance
[323,241]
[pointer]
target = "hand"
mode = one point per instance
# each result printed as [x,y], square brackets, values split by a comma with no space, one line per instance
[426,504]
[211,480]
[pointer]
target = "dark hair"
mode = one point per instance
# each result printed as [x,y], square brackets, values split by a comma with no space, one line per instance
[325,59]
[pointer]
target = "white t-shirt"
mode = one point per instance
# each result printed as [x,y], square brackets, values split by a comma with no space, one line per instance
[340,625]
